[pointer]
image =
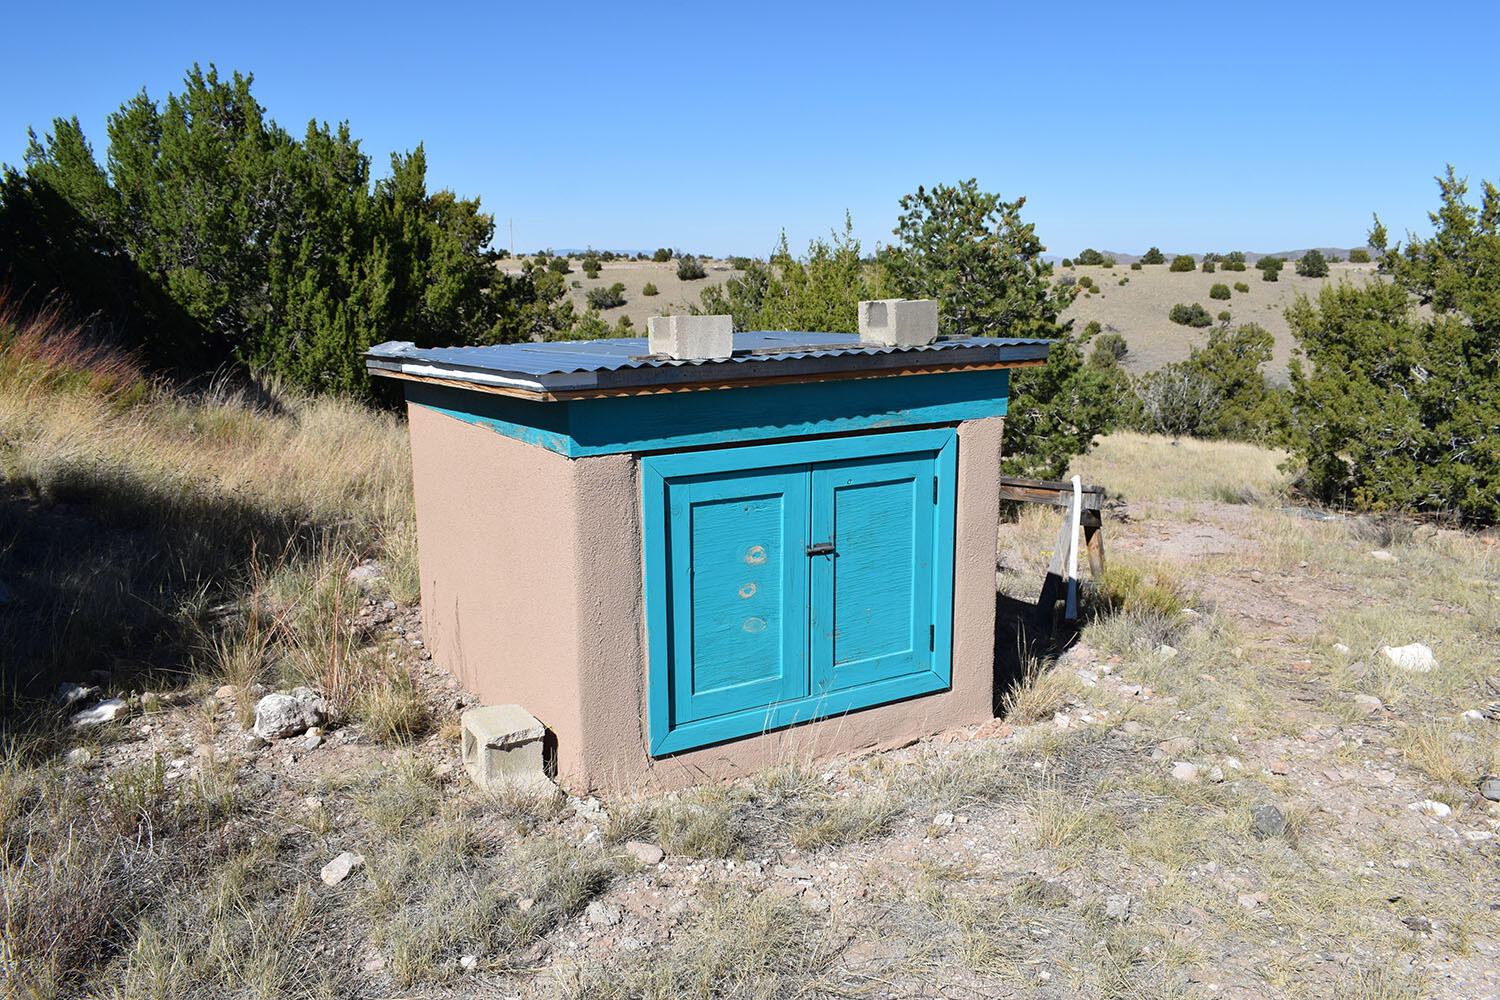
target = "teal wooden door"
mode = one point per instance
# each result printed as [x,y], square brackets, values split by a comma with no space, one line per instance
[738,581]
[795,581]
[872,610]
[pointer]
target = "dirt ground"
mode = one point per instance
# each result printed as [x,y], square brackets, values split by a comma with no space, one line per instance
[1234,796]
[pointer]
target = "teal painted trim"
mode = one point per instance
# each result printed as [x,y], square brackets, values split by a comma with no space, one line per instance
[668,421]
[658,472]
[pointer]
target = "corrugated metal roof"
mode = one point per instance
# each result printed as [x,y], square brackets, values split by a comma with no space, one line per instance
[625,361]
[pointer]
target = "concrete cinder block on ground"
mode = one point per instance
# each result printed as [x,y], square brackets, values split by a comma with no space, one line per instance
[898,322]
[502,744]
[690,338]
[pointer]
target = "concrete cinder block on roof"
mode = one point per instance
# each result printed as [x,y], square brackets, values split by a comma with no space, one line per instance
[691,338]
[502,744]
[898,322]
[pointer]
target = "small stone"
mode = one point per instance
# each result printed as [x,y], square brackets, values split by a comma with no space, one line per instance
[1269,821]
[646,854]
[1251,900]
[339,868]
[1368,704]
[1183,771]
[389,605]
[225,691]
[282,714]
[1216,774]
[366,575]
[1279,767]
[105,711]
[629,944]
[79,757]
[815,901]
[1489,787]
[1165,652]
[1433,808]
[943,819]
[312,741]
[1256,576]
[1420,925]
[1117,908]
[254,742]
[1415,658]
[69,694]
[1341,649]
[376,963]
[469,963]
[602,914]
[525,903]
[1381,555]
[1473,716]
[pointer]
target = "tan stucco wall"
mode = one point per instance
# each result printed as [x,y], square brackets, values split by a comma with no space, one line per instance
[496,537]
[532,594]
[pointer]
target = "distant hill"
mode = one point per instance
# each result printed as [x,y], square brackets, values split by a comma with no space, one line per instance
[1250,255]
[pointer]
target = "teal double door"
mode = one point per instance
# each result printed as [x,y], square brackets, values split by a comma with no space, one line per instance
[795,581]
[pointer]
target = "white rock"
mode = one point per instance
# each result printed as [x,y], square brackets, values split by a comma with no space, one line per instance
[366,575]
[1216,773]
[1183,771]
[312,741]
[1368,703]
[1478,835]
[1117,907]
[469,963]
[69,694]
[1165,652]
[1341,649]
[1432,807]
[628,944]
[80,757]
[1381,555]
[1473,715]
[603,914]
[281,714]
[105,711]
[339,868]
[943,819]
[646,854]
[1416,657]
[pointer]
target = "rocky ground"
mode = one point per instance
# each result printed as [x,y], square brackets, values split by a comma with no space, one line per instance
[1241,798]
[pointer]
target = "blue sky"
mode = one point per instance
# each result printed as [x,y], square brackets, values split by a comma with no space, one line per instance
[1203,126]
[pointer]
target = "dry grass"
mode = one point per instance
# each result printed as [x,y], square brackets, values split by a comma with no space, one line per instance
[1153,467]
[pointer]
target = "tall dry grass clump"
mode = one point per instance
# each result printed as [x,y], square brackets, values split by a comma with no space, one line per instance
[133,513]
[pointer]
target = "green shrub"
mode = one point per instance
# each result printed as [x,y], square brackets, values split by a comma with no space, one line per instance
[739,263]
[1135,265]
[663,254]
[559,265]
[1240,286]
[690,268]
[1359,256]
[1086,281]
[1109,350]
[1091,257]
[650,290]
[1208,267]
[1232,265]
[1219,391]
[1398,397]
[1312,265]
[1153,256]
[1183,262]
[1066,262]
[1224,316]
[1219,291]
[1270,268]
[1193,315]
[1107,263]
[607,298]
[591,267]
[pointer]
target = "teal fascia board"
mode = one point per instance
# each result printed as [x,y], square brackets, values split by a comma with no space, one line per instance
[669,421]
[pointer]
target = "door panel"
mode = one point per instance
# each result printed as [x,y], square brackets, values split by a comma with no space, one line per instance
[876,610]
[737,592]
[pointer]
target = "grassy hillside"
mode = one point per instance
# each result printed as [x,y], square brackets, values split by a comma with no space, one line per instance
[1138,309]
[1108,835]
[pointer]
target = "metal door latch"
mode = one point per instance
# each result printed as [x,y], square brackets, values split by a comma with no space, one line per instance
[820,549]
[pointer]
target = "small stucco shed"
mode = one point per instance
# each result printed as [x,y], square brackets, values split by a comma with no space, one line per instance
[694,568]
